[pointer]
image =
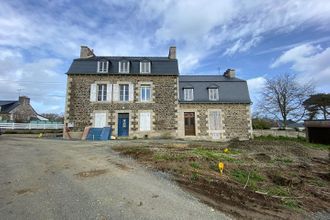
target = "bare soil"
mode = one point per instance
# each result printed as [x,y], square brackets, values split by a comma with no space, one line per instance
[91,173]
[261,179]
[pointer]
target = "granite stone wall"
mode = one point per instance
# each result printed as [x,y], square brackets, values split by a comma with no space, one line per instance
[163,106]
[235,121]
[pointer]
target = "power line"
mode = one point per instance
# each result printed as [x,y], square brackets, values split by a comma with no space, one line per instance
[23,81]
[40,95]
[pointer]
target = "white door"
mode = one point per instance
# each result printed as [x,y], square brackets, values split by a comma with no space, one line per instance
[100,120]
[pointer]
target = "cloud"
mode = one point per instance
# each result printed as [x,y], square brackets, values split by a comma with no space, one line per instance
[255,86]
[37,80]
[241,46]
[298,53]
[39,40]
[311,62]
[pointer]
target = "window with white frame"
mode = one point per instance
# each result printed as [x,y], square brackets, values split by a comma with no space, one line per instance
[102,92]
[123,92]
[102,66]
[145,93]
[145,121]
[124,67]
[145,67]
[214,120]
[213,94]
[188,94]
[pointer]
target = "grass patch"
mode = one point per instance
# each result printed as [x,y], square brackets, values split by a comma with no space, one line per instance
[195,165]
[168,156]
[213,155]
[290,204]
[162,156]
[194,176]
[241,176]
[283,160]
[278,191]
[135,152]
[318,182]
[300,140]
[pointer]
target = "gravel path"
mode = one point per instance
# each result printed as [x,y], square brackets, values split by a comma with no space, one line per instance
[57,179]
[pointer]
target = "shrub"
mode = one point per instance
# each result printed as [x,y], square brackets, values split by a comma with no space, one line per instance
[258,123]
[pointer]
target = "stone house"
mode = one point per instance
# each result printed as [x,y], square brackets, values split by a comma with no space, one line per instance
[18,111]
[147,97]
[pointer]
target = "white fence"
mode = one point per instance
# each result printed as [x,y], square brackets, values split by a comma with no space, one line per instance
[14,126]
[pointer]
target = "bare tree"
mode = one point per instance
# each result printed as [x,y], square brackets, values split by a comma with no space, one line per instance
[283,97]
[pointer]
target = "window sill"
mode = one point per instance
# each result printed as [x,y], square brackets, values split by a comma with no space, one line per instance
[123,101]
[145,102]
[100,102]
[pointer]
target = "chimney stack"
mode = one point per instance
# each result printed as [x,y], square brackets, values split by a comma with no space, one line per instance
[172,53]
[230,73]
[86,52]
[24,100]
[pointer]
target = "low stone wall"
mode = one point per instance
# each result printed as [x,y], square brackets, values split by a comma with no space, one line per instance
[285,133]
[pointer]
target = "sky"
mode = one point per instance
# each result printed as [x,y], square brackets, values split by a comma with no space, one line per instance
[257,38]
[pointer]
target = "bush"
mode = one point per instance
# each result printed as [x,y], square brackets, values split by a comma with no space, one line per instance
[258,123]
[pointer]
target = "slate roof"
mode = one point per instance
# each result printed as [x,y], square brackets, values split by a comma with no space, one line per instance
[7,106]
[231,90]
[159,65]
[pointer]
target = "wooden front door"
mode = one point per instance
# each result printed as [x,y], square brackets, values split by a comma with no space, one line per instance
[189,123]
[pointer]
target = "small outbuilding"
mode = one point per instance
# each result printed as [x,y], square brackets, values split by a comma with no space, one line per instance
[318,131]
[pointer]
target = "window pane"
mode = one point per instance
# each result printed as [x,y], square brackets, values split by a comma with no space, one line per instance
[101,92]
[148,94]
[213,94]
[123,66]
[123,92]
[188,94]
[145,93]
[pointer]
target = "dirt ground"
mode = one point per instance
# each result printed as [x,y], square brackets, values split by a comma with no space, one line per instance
[262,179]
[57,179]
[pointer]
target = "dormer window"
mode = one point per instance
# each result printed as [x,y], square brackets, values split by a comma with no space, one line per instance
[124,67]
[145,67]
[102,66]
[188,94]
[213,94]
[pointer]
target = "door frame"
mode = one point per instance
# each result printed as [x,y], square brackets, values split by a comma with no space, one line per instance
[184,123]
[128,124]
[115,121]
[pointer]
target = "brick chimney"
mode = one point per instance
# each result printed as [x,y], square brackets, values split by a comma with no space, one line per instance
[172,53]
[86,52]
[230,73]
[24,100]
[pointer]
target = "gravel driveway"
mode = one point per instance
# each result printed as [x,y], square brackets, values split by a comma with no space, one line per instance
[57,179]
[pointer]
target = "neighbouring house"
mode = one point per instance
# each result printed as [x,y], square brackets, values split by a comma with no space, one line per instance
[18,111]
[147,97]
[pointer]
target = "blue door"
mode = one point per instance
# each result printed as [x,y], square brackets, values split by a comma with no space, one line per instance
[123,124]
